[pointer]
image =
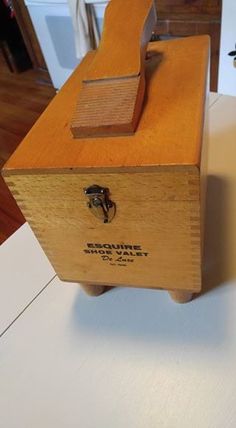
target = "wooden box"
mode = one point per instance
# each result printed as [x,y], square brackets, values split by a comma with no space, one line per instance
[155,178]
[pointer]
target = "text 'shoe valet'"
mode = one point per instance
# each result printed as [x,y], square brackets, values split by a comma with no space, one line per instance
[110,178]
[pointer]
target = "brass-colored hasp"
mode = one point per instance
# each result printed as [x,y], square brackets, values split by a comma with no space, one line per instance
[112,92]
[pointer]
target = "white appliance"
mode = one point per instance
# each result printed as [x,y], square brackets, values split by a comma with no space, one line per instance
[227,64]
[53,25]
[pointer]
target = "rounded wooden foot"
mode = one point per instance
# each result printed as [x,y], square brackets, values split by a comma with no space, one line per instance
[180,296]
[93,290]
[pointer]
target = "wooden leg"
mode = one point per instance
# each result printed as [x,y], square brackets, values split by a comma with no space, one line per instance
[93,290]
[180,296]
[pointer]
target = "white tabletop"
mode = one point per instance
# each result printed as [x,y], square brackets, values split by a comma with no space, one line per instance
[24,272]
[131,357]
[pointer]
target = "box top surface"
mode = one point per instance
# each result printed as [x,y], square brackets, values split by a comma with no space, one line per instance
[169,131]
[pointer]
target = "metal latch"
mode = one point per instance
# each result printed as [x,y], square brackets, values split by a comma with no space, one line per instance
[99,203]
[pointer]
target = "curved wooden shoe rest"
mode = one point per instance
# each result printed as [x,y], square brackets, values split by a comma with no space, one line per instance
[111,96]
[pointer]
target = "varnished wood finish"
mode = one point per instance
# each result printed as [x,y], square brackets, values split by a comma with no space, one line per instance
[11,217]
[124,40]
[22,100]
[153,177]
[115,76]
[175,102]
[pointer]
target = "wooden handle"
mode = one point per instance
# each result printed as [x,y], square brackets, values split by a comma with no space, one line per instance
[112,92]
[126,32]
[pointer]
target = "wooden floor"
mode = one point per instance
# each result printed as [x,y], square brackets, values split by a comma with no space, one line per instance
[23,97]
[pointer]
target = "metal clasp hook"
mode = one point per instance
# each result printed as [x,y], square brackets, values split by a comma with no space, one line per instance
[99,203]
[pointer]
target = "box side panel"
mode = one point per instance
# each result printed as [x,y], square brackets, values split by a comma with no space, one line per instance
[153,240]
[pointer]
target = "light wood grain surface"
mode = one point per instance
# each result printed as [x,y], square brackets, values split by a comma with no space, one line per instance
[112,93]
[49,144]
[109,107]
[16,119]
[158,212]
[132,356]
[158,204]
[124,40]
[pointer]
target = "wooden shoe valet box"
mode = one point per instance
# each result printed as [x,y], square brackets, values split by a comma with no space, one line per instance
[155,179]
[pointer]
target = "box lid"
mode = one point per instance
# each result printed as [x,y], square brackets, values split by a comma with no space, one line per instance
[169,131]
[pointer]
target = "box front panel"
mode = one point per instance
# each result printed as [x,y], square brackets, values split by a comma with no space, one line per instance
[152,241]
